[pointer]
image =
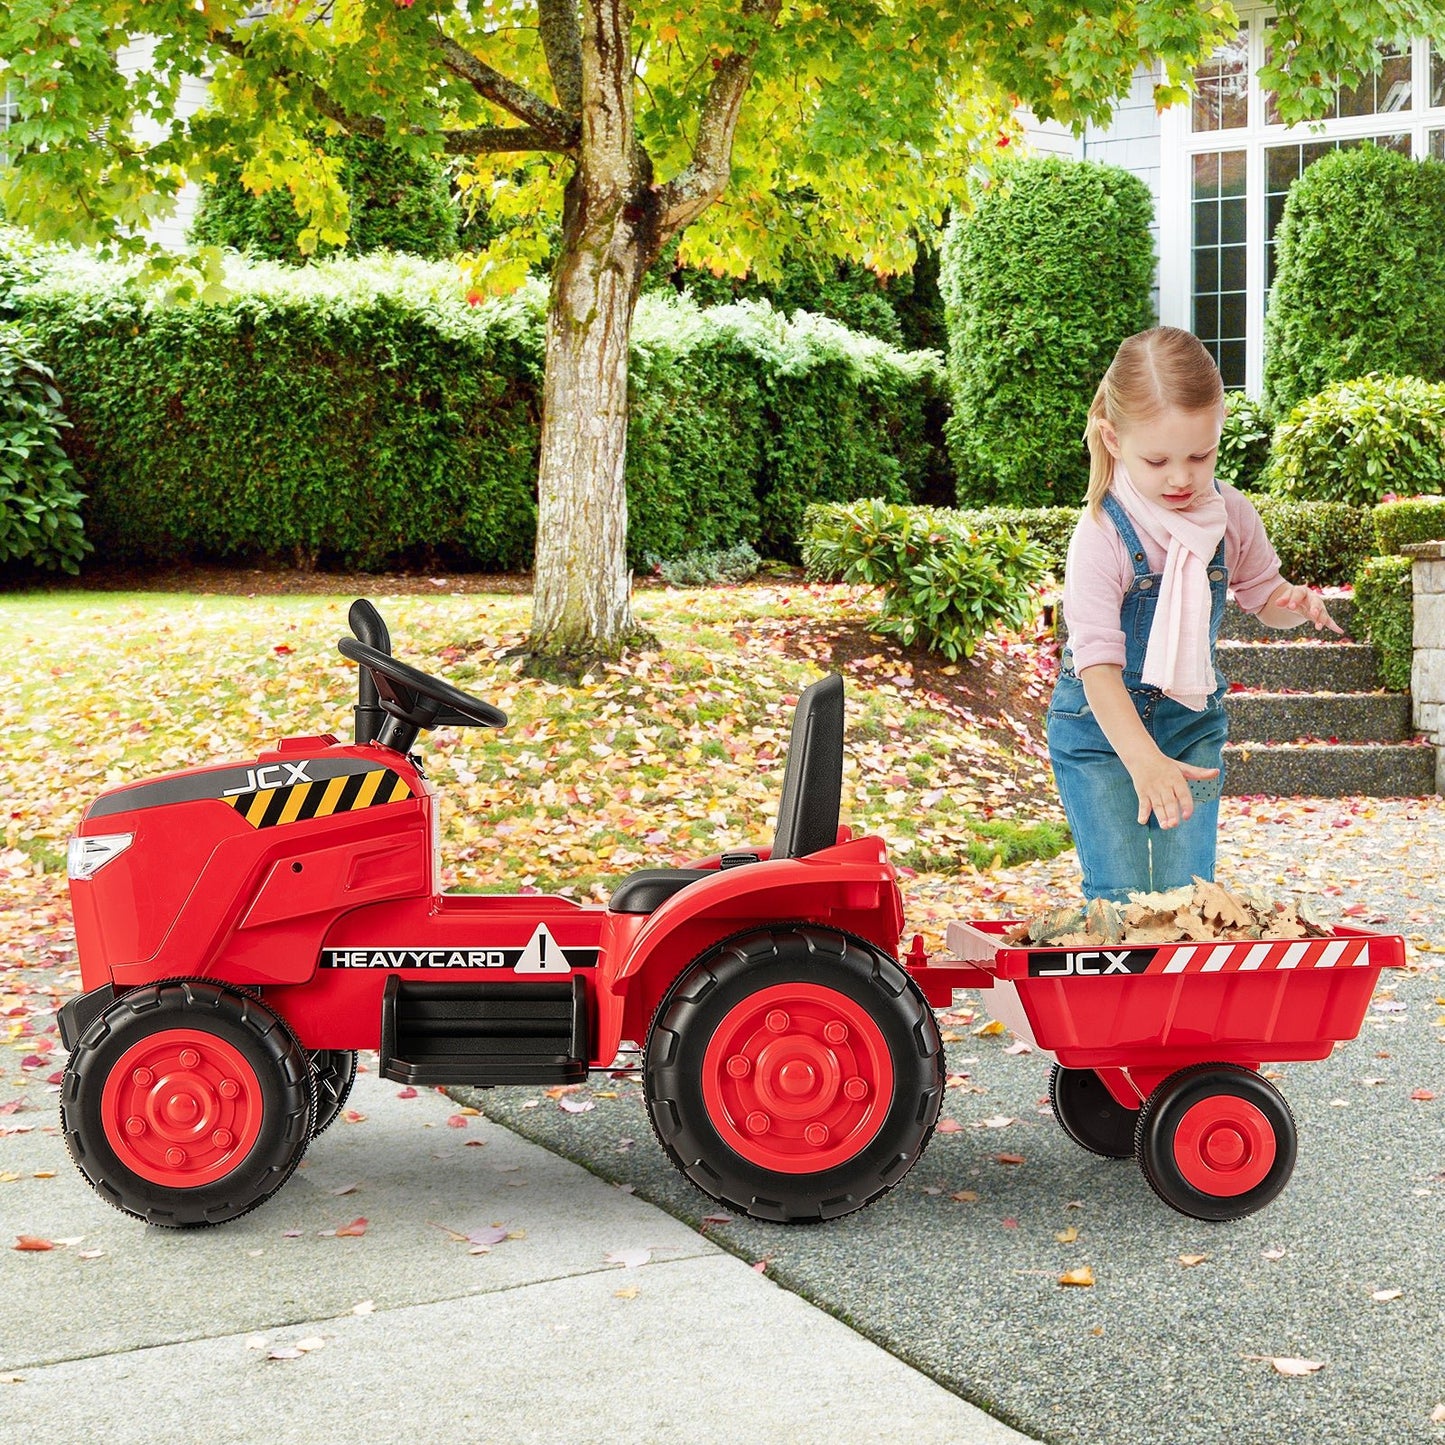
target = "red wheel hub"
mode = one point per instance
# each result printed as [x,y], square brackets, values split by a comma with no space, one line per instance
[1224,1145]
[181,1108]
[797,1078]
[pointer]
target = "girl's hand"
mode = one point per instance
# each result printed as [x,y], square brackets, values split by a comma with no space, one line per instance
[1301,599]
[1163,788]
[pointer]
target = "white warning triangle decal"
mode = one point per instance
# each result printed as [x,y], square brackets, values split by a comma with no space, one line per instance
[543,954]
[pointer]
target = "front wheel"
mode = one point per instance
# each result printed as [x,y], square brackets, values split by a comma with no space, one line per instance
[187,1103]
[794,1074]
[1216,1141]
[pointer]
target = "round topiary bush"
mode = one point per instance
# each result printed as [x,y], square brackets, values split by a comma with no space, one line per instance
[398,203]
[1360,284]
[1041,283]
[1358,441]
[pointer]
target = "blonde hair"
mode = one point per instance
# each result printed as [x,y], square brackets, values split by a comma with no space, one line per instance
[1152,371]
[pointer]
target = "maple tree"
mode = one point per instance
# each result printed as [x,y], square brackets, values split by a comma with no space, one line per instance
[597,131]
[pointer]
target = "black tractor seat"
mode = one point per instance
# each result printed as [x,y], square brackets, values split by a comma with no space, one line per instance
[807,814]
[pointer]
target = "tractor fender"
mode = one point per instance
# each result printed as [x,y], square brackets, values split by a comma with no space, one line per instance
[851,887]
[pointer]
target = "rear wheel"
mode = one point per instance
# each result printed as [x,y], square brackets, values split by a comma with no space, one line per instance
[1090,1115]
[187,1103]
[794,1074]
[334,1071]
[1216,1141]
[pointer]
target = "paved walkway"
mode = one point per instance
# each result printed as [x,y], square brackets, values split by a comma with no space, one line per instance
[127,1333]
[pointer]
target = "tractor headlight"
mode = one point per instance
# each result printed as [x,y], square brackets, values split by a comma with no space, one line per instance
[85,857]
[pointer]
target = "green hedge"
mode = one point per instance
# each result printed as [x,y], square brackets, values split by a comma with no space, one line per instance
[1320,544]
[40,501]
[1384,600]
[1041,283]
[1413,519]
[1360,278]
[357,412]
[1359,441]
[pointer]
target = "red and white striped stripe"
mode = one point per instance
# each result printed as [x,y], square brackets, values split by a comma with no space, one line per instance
[1248,957]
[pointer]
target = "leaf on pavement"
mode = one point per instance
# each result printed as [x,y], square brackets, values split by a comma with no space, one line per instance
[628,1258]
[32,1242]
[1289,1364]
[1069,1235]
[1081,1276]
[354,1230]
[1190,1260]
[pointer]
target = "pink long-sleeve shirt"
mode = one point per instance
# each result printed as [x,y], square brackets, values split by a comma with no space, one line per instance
[1099,570]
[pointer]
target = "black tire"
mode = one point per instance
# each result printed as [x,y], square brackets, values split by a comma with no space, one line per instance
[334,1072]
[1239,1108]
[226,1122]
[1090,1115]
[815,980]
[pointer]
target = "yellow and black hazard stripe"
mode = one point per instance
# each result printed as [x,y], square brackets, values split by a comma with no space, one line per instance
[294,804]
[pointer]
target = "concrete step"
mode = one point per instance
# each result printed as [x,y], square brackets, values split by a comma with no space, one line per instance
[1330,770]
[1305,666]
[1238,626]
[1345,717]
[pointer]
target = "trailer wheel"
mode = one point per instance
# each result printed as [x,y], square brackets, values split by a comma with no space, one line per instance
[187,1103]
[1216,1141]
[794,1074]
[334,1072]
[1090,1115]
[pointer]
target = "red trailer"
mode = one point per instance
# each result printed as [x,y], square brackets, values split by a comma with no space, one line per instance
[1156,1050]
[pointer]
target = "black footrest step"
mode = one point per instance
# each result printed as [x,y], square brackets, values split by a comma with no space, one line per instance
[485,1033]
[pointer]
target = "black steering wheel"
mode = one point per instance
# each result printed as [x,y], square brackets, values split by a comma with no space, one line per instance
[416,697]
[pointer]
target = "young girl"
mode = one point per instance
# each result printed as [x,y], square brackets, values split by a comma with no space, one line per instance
[1136,725]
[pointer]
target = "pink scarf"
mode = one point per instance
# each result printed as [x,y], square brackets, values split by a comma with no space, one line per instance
[1178,659]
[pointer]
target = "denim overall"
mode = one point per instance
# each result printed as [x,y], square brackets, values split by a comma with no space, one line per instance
[1117,853]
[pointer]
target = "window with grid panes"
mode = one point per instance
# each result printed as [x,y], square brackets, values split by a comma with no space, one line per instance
[1218,215]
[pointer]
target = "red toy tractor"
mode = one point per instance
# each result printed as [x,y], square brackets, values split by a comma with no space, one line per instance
[244,929]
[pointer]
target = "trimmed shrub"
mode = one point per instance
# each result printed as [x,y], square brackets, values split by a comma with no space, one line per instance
[39,496]
[705,569]
[1360,279]
[398,203]
[944,584]
[1320,544]
[1360,440]
[1041,283]
[1385,603]
[1244,442]
[1412,519]
[359,413]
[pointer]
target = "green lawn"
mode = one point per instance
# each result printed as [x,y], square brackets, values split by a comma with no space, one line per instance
[667,756]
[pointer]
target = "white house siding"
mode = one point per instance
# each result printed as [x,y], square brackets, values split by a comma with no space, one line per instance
[1131,141]
[132,59]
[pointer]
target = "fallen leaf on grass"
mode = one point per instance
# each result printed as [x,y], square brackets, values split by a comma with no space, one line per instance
[1289,1364]
[1081,1276]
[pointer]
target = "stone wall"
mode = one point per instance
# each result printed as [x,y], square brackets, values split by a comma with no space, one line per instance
[1427,670]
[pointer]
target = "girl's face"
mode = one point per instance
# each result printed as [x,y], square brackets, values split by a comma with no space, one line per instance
[1170,458]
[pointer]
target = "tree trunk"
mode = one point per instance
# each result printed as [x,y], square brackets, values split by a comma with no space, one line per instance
[582,593]
[581,606]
